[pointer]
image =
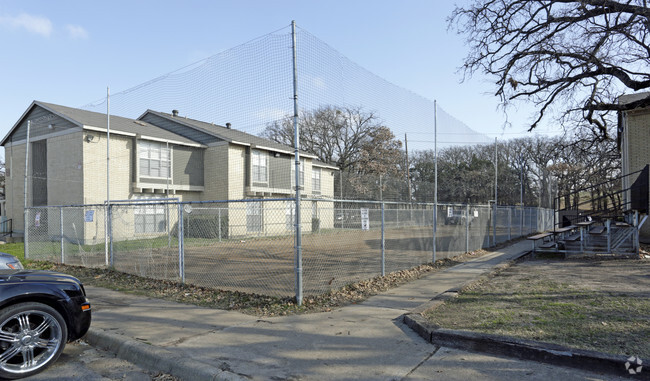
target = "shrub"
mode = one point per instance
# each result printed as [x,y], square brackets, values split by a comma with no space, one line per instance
[203,226]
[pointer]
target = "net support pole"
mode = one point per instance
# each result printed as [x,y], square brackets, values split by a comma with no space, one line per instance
[521,196]
[25,212]
[296,129]
[496,184]
[108,241]
[383,241]
[435,186]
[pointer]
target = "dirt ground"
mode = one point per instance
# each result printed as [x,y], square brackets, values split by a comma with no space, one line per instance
[265,265]
[596,304]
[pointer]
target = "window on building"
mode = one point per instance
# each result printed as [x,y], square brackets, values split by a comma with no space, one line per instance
[290,213]
[315,179]
[302,172]
[155,159]
[259,162]
[150,217]
[254,216]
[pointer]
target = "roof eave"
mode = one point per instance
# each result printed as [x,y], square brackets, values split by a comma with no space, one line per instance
[184,123]
[27,111]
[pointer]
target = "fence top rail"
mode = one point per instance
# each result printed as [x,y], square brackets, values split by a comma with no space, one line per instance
[390,202]
[142,201]
[66,206]
[173,201]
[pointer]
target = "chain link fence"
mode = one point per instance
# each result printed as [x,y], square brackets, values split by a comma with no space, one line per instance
[249,245]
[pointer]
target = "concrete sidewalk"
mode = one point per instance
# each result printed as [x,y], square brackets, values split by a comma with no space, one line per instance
[367,341]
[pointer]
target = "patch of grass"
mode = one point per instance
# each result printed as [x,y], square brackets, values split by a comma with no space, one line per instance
[587,305]
[15,249]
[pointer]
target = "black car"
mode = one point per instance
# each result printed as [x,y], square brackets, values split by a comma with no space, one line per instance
[39,312]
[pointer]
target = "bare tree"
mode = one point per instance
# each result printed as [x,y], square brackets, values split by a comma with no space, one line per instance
[540,154]
[353,139]
[572,57]
[342,136]
[577,169]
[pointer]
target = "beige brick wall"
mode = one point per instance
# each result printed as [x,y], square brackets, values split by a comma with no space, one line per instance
[235,184]
[308,182]
[94,168]
[236,164]
[327,183]
[187,196]
[237,220]
[94,180]
[325,213]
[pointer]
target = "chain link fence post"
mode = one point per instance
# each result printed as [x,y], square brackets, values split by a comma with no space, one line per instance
[26,234]
[467,228]
[181,243]
[110,234]
[495,214]
[509,224]
[61,232]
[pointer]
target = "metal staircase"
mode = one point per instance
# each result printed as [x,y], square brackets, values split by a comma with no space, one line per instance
[607,224]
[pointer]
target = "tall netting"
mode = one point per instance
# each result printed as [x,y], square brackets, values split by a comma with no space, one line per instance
[247,86]
[222,146]
[251,87]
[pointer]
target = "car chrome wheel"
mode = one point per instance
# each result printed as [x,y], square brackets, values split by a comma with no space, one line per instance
[32,336]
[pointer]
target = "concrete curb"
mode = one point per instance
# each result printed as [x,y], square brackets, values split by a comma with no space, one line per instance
[157,359]
[518,348]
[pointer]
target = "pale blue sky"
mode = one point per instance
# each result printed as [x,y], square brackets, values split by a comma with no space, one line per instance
[68,52]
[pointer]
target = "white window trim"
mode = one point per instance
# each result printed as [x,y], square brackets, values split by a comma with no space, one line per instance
[148,209]
[255,208]
[161,146]
[315,171]
[264,155]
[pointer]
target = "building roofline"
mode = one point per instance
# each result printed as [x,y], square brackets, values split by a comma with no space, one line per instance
[187,122]
[28,110]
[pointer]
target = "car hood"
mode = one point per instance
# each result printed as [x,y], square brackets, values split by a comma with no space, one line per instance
[5,255]
[31,276]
